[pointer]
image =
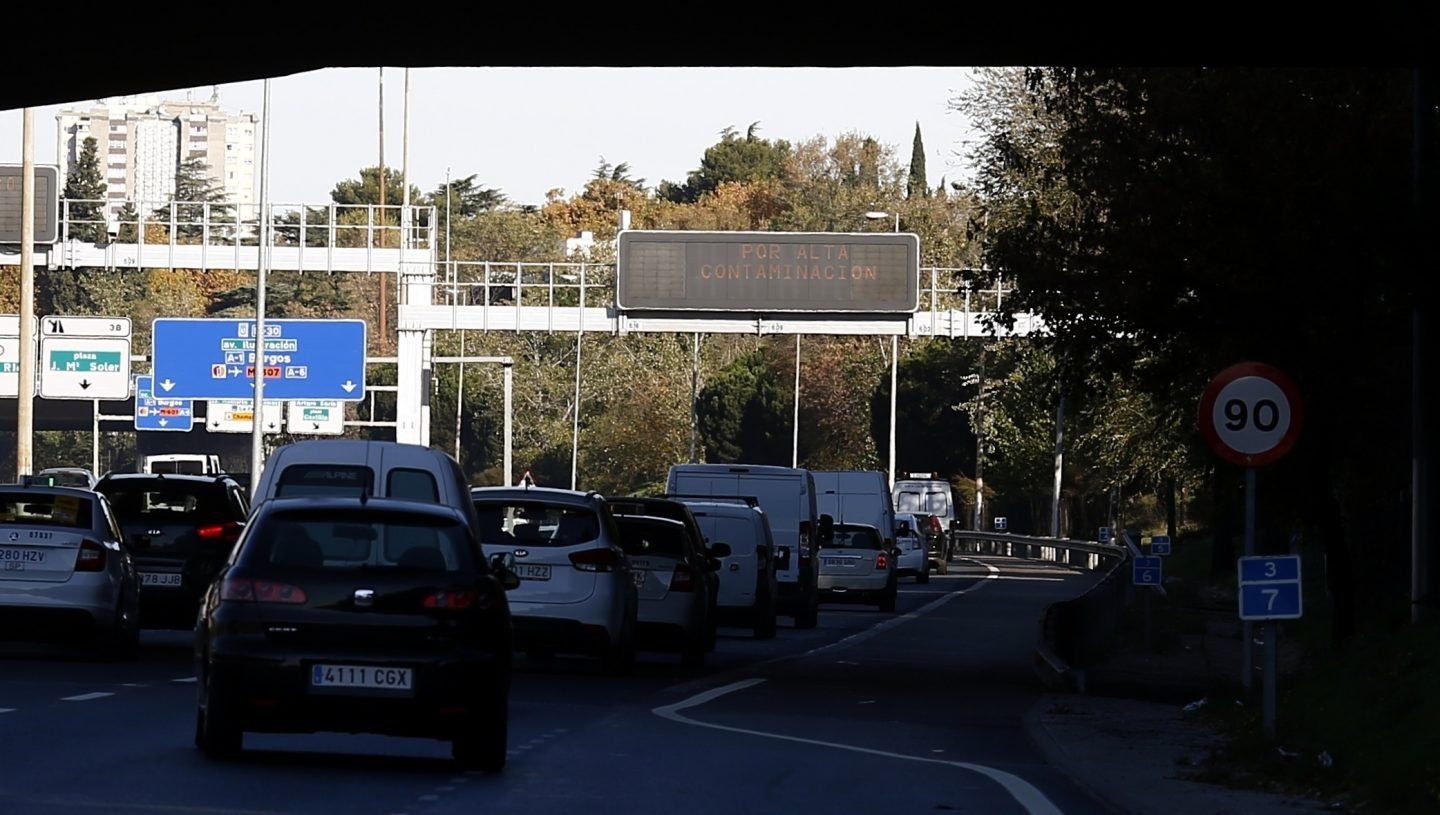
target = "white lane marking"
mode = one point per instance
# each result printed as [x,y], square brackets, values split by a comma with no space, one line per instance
[85,697]
[7,710]
[429,798]
[1027,796]
[184,679]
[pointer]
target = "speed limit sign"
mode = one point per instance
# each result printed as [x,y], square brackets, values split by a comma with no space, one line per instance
[1251,414]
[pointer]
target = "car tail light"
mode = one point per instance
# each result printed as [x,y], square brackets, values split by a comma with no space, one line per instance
[683,579]
[595,560]
[229,530]
[881,561]
[91,557]
[457,600]
[804,541]
[261,591]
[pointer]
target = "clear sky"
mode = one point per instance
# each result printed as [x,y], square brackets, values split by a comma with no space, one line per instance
[528,130]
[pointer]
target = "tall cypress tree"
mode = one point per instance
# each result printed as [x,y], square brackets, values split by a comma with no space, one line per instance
[916,184]
[85,190]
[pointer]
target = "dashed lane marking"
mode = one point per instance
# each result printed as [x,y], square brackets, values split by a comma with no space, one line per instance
[85,697]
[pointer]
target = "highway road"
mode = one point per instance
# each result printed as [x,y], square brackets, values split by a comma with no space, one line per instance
[913,711]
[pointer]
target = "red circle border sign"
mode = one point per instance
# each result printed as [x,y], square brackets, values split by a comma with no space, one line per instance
[1207,413]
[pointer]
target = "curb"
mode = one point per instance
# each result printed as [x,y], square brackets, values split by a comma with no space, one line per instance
[1057,758]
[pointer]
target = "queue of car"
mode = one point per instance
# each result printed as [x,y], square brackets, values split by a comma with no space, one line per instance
[366,587]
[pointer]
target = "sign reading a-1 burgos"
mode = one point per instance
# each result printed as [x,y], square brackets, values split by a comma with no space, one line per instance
[767,272]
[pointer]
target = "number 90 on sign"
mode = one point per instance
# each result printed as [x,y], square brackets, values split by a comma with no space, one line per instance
[1251,414]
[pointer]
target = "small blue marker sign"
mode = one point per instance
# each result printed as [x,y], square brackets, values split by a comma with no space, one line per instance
[1159,544]
[1270,588]
[1148,571]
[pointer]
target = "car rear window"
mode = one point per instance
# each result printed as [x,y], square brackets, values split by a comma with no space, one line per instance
[347,481]
[639,536]
[46,509]
[167,502]
[737,533]
[855,538]
[930,501]
[535,523]
[413,485]
[363,541]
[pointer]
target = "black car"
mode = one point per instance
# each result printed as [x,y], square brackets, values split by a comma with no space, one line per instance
[180,529]
[357,615]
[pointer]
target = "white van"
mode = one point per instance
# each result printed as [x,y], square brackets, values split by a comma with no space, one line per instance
[857,497]
[382,469]
[922,492]
[748,591]
[787,496]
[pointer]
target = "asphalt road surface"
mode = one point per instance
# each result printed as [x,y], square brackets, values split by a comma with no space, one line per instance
[870,712]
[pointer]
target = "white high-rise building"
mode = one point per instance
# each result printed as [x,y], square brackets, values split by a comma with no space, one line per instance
[142,142]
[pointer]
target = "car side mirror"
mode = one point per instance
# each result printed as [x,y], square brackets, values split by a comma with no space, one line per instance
[718,550]
[714,564]
[503,564]
[826,533]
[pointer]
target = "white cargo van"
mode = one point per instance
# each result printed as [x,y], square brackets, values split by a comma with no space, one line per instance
[747,592]
[183,464]
[787,496]
[857,497]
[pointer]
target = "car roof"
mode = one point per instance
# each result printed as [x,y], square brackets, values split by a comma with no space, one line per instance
[181,478]
[723,508]
[554,494]
[63,470]
[47,490]
[650,519]
[351,505]
[856,526]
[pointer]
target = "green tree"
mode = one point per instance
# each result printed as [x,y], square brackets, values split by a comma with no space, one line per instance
[128,219]
[743,414]
[198,203]
[366,189]
[84,195]
[916,184]
[732,159]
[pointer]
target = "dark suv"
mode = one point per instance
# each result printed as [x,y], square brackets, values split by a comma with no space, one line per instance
[180,529]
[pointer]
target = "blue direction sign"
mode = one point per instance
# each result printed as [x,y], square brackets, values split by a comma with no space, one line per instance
[1159,544]
[216,358]
[1270,588]
[1104,536]
[1147,571]
[153,413]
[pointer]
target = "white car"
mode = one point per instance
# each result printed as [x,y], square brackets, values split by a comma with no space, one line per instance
[748,588]
[576,592]
[913,559]
[671,573]
[855,567]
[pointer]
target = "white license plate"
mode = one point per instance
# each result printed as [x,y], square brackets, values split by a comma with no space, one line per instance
[533,571]
[836,561]
[366,677]
[23,556]
[160,578]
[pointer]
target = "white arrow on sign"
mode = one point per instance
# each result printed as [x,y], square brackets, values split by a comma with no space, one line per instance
[349,386]
[167,384]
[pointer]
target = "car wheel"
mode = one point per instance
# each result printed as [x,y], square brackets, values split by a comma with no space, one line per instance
[621,658]
[122,640]
[809,615]
[693,653]
[887,601]
[923,576]
[216,734]
[765,620]
[486,746]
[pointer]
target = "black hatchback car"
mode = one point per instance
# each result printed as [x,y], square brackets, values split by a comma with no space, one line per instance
[180,528]
[357,615]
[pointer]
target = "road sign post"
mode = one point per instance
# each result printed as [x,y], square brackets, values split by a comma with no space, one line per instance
[216,358]
[153,413]
[1251,415]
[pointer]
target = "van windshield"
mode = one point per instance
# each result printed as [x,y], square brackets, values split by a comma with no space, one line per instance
[932,501]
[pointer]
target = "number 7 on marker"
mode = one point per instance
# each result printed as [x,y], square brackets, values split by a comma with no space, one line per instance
[1270,595]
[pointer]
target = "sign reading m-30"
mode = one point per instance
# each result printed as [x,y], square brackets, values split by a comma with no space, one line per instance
[217,358]
[767,272]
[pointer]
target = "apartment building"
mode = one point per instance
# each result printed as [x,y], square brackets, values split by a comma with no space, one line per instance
[142,141]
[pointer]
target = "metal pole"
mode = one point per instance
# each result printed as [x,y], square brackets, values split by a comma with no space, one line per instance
[694,397]
[95,438]
[1420,600]
[25,405]
[509,429]
[894,385]
[1248,628]
[980,448]
[405,168]
[460,397]
[795,443]
[257,409]
[1059,465]
[383,307]
[1272,676]
[575,425]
